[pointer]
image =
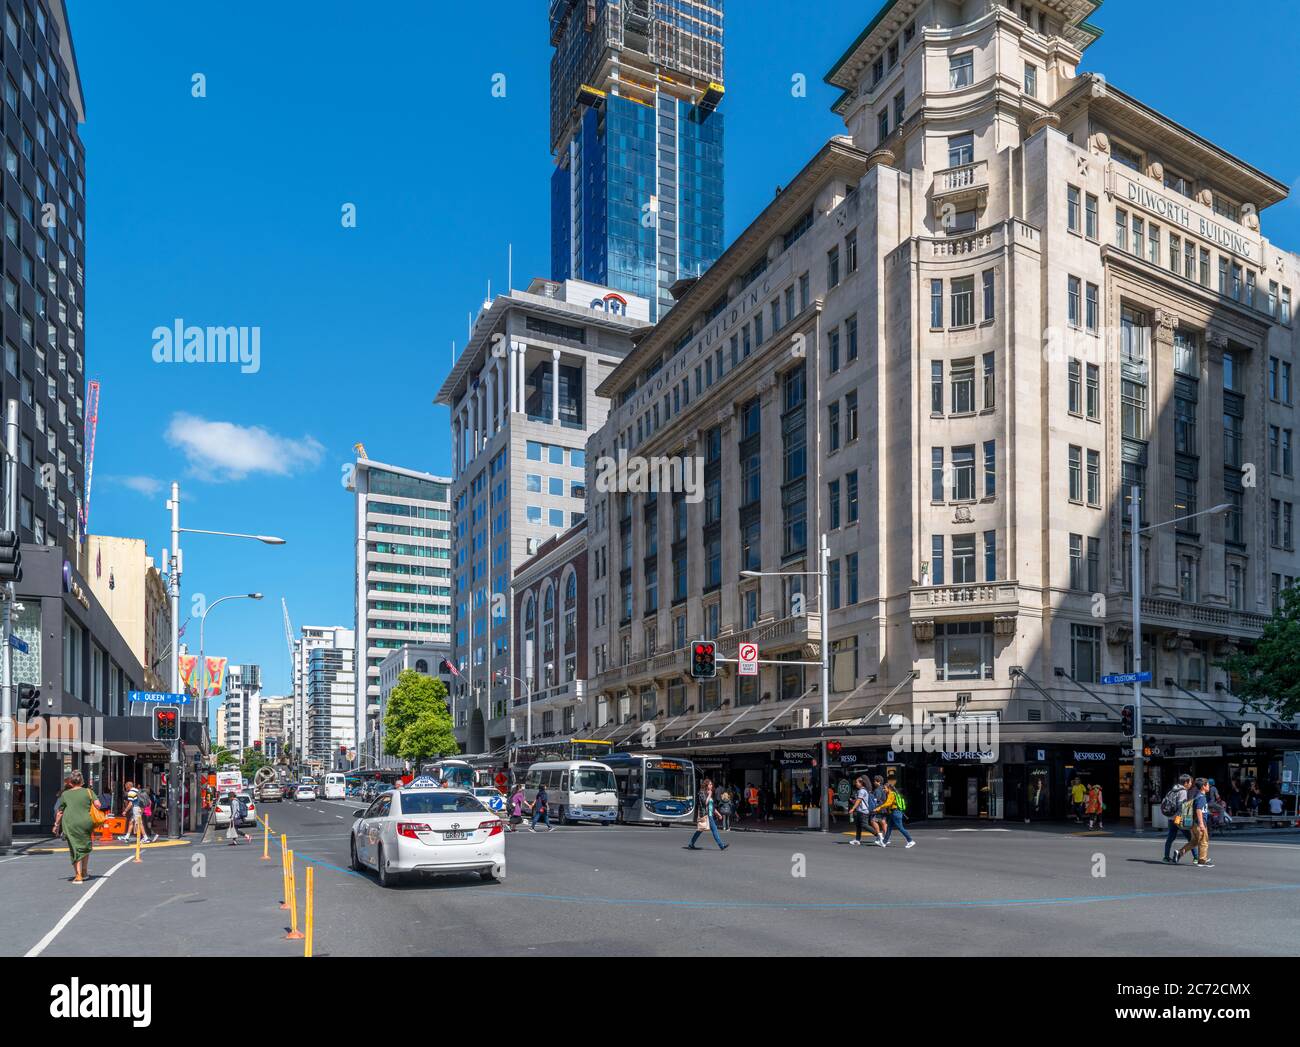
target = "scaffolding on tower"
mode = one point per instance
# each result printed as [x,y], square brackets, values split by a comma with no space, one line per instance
[92,425]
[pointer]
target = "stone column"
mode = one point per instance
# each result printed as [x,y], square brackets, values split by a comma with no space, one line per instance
[490,400]
[1160,460]
[501,391]
[555,387]
[1210,489]
[771,473]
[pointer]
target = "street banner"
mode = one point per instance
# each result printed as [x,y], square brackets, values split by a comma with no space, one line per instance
[216,672]
[187,663]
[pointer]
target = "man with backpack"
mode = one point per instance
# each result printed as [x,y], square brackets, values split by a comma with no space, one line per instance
[1171,807]
[238,812]
[1195,814]
[895,807]
[879,815]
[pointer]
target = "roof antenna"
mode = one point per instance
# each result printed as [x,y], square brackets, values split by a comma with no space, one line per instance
[510,268]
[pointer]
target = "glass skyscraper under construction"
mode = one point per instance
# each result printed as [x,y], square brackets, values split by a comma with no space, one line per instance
[637,194]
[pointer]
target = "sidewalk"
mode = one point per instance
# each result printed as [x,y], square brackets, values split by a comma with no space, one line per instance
[799,824]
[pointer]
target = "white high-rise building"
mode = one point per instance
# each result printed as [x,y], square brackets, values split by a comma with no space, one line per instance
[312,636]
[240,711]
[523,401]
[331,701]
[403,568]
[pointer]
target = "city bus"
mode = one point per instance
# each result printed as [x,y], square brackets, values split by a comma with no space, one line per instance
[576,790]
[653,789]
[453,773]
[524,756]
[335,787]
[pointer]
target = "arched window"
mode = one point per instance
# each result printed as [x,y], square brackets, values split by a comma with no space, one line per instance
[571,626]
[421,666]
[548,636]
[530,640]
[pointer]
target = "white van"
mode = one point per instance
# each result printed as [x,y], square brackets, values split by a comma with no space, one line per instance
[336,786]
[577,790]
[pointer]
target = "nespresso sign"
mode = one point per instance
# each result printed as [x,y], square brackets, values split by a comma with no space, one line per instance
[1172,210]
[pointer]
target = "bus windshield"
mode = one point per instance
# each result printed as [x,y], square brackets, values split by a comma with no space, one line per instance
[459,777]
[669,781]
[592,780]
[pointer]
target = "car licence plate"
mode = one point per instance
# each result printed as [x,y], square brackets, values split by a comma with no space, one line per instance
[453,836]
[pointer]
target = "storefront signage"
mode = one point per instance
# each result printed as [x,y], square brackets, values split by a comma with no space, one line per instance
[1171,210]
[71,585]
[1081,756]
[1193,751]
[794,757]
[972,756]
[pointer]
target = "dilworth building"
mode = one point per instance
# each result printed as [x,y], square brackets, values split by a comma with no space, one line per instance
[956,340]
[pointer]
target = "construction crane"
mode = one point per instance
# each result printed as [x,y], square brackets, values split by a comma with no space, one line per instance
[360,448]
[293,681]
[92,425]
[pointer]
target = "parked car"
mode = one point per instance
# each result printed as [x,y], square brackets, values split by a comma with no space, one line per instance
[271,792]
[221,812]
[411,831]
[304,793]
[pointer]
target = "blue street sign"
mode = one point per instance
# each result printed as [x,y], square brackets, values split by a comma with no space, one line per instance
[1128,678]
[159,697]
[17,644]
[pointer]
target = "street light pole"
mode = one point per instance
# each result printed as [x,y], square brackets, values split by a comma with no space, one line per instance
[174,585]
[7,669]
[1139,761]
[826,677]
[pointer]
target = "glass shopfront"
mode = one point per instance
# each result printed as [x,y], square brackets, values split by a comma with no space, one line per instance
[27,788]
[959,785]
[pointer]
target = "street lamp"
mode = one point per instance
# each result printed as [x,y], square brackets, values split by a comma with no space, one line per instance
[528,697]
[1135,569]
[823,577]
[174,592]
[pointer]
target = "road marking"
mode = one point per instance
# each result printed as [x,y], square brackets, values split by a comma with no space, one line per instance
[40,946]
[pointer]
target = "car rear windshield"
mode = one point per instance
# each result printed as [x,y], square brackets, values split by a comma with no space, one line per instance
[441,803]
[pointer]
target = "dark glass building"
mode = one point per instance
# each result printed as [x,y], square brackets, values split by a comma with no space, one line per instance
[637,194]
[44,257]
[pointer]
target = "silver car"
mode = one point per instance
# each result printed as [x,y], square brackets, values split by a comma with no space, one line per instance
[411,831]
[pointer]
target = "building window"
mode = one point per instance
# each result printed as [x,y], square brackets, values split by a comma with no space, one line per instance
[936,560]
[936,387]
[1073,304]
[963,386]
[963,473]
[1090,217]
[961,150]
[990,468]
[936,305]
[1094,478]
[1076,473]
[990,385]
[1073,209]
[963,301]
[961,73]
[990,556]
[1094,391]
[1074,388]
[1091,309]
[963,559]
[1085,653]
[963,651]
[1076,561]
[1031,80]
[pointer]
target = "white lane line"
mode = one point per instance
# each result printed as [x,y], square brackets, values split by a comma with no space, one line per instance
[40,946]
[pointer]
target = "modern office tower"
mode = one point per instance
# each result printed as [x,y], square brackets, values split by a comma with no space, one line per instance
[953,347]
[310,637]
[403,566]
[523,400]
[637,193]
[331,702]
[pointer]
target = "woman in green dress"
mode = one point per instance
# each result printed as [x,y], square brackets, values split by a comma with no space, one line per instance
[73,818]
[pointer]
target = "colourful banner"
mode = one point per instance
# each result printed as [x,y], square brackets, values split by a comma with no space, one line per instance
[216,672]
[188,663]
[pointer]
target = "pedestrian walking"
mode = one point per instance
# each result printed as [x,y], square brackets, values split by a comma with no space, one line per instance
[1094,807]
[878,814]
[704,817]
[517,804]
[896,807]
[1196,814]
[75,823]
[727,807]
[541,806]
[859,810]
[1171,807]
[1078,794]
[133,812]
[751,798]
[238,812]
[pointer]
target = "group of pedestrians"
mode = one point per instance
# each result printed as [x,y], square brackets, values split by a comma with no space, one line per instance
[1087,804]
[882,808]
[1187,806]
[540,809]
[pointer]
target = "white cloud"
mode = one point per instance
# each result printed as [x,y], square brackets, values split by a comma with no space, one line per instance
[226,451]
[145,485]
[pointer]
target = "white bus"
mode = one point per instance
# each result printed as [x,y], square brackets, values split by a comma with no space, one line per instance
[576,790]
[336,786]
[453,773]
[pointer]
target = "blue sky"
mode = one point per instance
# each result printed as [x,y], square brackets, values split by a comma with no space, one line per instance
[225,210]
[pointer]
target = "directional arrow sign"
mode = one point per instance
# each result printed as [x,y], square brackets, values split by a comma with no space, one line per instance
[1127,678]
[17,644]
[158,697]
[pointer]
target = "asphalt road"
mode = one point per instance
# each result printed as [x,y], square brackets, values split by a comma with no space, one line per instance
[965,889]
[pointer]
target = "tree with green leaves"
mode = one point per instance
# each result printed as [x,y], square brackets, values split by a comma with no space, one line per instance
[417,724]
[1267,677]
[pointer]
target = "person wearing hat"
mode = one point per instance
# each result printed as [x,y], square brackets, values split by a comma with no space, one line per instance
[134,813]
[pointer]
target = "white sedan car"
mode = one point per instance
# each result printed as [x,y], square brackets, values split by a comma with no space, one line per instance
[304,793]
[221,812]
[428,831]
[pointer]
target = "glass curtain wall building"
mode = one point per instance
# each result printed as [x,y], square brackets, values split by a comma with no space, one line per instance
[637,193]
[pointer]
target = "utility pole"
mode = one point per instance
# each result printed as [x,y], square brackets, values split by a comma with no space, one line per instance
[174,586]
[6,659]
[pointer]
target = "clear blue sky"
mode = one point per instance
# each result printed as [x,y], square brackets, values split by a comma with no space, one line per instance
[226,210]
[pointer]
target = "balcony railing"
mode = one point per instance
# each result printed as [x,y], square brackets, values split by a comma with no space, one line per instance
[1155,609]
[982,595]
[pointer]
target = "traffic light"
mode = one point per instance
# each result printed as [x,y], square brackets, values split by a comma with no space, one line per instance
[1127,719]
[29,701]
[833,749]
[704,663]
[11,557]
[166,723]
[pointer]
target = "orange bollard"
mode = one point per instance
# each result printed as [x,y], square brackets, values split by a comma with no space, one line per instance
[137,849]
[284,874]
[311,910]
[294,934]
[266,843]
